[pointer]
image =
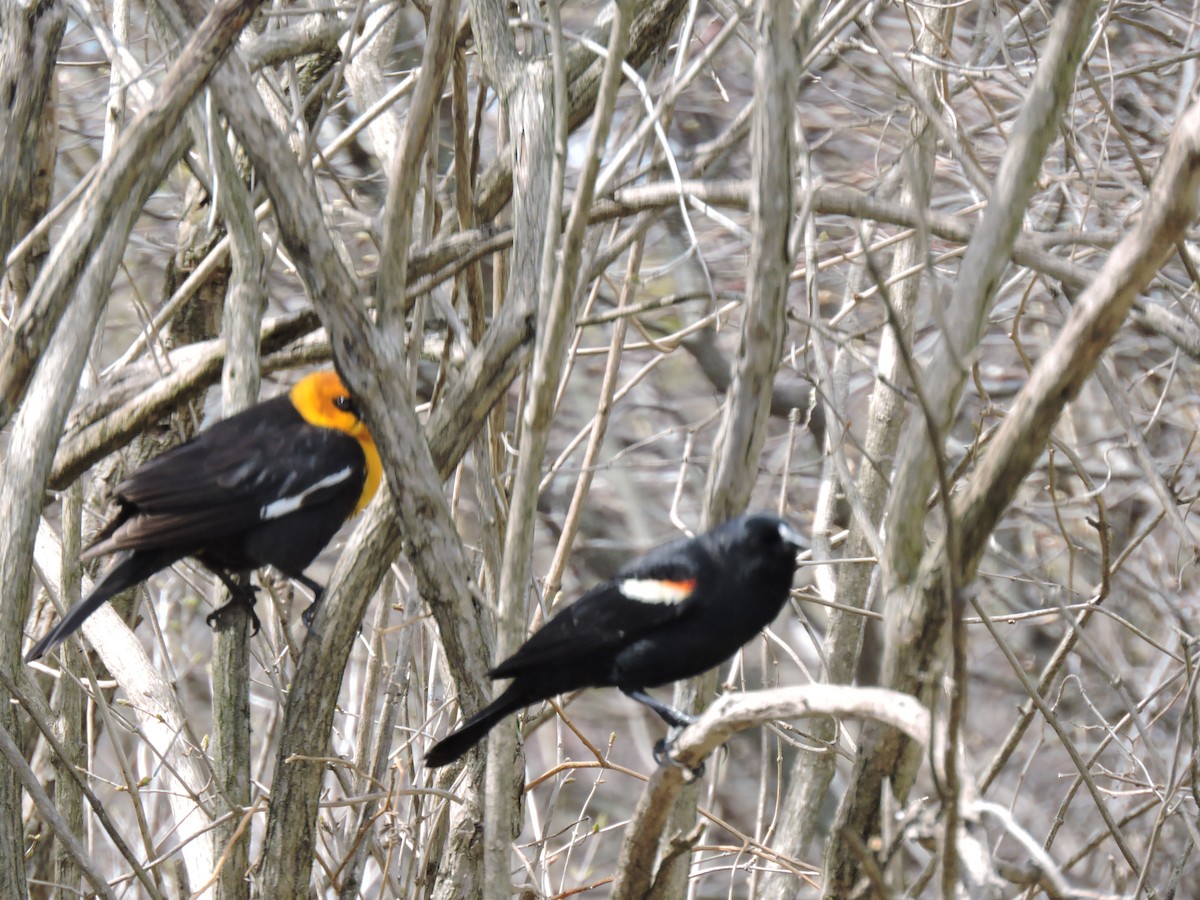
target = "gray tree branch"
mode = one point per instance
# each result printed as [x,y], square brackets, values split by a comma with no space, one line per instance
[121,178]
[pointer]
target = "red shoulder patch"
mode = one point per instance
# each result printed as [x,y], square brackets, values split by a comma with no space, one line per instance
[656,590]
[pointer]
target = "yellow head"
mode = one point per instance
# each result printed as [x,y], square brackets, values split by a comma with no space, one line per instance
[324,401]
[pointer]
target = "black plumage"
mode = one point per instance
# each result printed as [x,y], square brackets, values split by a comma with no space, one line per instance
[676,612]
[267,486]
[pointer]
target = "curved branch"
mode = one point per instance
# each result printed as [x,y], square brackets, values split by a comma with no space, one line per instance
[727,716]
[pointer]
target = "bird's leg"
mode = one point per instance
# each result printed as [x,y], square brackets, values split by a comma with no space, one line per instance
[678,720]
[318,592]
[240,594]
[669,714]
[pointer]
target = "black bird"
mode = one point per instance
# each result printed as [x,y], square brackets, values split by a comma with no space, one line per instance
[676,612]
[268,486]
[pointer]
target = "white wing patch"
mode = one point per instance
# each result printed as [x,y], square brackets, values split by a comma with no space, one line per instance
[656,590]
[285,505]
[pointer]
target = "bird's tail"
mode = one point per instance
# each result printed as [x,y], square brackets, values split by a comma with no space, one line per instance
[475,729]
[131,567]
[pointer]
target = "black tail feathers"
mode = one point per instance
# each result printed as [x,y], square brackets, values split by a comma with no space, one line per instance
[475,729]
[130,568]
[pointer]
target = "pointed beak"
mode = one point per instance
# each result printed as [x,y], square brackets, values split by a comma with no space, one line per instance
[789,535]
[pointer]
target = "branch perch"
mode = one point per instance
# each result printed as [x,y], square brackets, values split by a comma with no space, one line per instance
[724,718]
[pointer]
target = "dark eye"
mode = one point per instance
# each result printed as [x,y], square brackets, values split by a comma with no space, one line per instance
[345,404]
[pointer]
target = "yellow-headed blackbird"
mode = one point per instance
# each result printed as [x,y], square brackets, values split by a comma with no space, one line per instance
[269,486]
[676,612]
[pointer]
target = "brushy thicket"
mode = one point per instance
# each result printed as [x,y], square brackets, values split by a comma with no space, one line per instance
[1100,534]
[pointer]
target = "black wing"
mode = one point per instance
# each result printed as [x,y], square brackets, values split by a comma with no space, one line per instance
[258,465]
[647,593]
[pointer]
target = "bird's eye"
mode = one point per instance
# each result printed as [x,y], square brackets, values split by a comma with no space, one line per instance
[344,403]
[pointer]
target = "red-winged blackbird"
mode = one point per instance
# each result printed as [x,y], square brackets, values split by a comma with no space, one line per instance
[268,486]
[676,612]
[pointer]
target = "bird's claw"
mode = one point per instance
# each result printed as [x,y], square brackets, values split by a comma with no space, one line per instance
[662,756]
[310,612]
[255,624]
[244,597]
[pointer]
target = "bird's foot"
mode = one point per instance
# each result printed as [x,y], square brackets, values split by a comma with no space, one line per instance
[662,756]
[311,612]
[243,597]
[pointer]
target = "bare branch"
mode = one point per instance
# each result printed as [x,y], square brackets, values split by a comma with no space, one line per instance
[725,717]
[1095,318]
[29,40]
[120,181]
[986,260]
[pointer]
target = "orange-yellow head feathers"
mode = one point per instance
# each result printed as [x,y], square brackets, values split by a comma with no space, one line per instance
[324,401]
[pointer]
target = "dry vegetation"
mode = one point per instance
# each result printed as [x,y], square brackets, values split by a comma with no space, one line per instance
[1067,572]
